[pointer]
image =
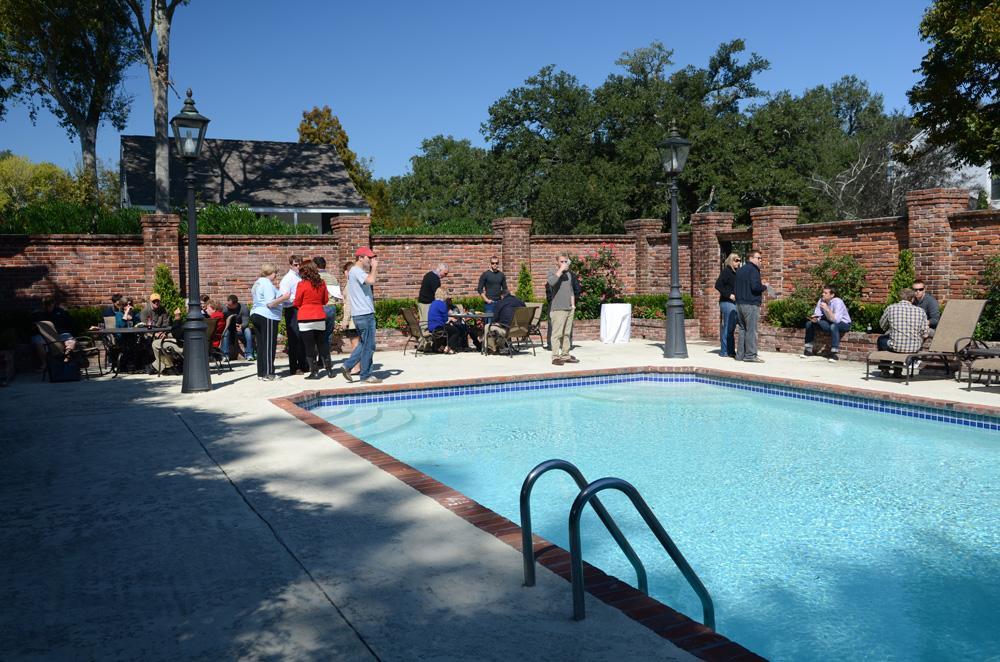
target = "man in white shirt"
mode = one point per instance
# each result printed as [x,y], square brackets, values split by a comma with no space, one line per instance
[362,276]
[293,339]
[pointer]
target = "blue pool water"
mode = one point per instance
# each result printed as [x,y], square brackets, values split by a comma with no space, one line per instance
[821,532]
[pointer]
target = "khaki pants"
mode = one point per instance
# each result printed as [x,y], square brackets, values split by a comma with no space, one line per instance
[423,309]
[561,322]
[162,358]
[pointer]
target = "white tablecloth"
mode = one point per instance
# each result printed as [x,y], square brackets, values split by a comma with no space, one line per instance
[616,322]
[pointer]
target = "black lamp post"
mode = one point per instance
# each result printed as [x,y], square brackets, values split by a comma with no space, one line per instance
[673,154]
[189,136]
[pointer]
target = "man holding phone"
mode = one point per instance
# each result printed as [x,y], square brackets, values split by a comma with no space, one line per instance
[831,316]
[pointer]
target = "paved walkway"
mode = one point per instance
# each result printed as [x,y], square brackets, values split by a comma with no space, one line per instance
[141,523]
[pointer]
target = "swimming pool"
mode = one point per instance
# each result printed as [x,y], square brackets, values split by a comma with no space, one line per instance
[822,529]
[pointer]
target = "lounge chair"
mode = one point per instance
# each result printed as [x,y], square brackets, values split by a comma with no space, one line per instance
[988,366]
[505,338]
[952,334]
[535,327]
[61,365]
[423,339]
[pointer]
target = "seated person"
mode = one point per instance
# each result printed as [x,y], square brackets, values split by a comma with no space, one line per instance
[240,330]
[906,326]
[125,314]
[922,299]
[831,316]
[175,338]
[155,315]
[503,315]
[51,312]
[109,311]
[439,320]
[212,312]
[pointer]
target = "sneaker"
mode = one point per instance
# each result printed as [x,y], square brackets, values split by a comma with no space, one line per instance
[755,359]
[313,375]
[833,358]
[273,378]
[558,361]
[571,359]
[371,379]
[806,353]
[347,374]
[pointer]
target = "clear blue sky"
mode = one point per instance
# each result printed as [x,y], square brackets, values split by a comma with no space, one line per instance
[398,72]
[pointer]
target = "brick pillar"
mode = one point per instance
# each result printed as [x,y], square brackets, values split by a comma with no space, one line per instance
[766,224]
[352,232]
[515,247]
[706,262]
[930,234]
[160,245]
[641,229]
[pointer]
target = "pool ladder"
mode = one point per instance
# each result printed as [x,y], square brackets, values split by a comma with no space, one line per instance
[588,494]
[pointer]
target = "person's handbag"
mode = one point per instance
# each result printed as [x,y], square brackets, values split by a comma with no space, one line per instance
[61,370]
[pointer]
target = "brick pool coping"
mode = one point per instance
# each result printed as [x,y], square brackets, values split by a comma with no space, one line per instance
[668,623]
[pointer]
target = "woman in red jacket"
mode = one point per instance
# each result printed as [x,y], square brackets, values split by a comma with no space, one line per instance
[310,297]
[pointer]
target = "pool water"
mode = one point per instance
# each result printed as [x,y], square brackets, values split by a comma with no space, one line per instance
[821,532]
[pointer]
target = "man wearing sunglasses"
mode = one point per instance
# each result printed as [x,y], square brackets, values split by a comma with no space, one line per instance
[923,300]
[491,283]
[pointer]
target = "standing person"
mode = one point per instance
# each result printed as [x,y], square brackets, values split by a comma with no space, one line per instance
[240,330]
[362,276]
[725,284]
[905,325]
[347,323]
[264,315]
[428,286]
[491,283]
[333,290]
[562,287]
[749,289]
[922,299]
[830,315]
[293,339]
[310,297]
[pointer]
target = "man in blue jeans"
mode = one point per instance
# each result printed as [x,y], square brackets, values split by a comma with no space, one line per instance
[831,316]
[361,277]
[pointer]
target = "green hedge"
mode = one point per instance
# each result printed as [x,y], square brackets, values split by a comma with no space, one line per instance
[654,306]
[792,313]
[56,217]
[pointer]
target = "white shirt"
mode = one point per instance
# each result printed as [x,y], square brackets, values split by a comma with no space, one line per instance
[289,282]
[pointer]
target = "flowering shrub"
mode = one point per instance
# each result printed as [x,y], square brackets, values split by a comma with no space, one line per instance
[599,281]
[842,272]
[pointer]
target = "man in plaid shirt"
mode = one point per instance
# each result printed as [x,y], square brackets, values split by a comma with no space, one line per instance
[906,327]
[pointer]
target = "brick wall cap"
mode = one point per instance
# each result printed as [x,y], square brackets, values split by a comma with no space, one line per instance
[774,210]
[511,220]
[643,223]
[712,217]
[855,224]
[976,216]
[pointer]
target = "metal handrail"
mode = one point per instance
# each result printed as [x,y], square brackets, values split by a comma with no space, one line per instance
[589,493]
[527,551]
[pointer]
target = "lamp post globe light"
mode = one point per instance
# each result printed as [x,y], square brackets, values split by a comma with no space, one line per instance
[189,136]
[673,154]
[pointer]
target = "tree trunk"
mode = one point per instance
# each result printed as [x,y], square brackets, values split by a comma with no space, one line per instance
[159,81]
[88,148]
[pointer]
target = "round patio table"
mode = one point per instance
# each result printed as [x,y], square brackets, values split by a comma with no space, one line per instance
[129,341]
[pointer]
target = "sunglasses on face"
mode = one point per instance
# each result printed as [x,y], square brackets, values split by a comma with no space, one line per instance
[918,289]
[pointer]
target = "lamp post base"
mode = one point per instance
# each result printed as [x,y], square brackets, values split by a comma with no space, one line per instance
[675,344]
[196,369]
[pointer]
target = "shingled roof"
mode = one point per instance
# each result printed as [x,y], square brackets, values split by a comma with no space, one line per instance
[261,174]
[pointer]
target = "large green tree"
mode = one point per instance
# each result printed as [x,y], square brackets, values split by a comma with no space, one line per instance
[70,57]
[958,99]
[320,126]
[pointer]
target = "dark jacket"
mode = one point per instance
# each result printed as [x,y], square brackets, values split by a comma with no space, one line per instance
[726,284]
[428,287]
[748,285]
[503,313]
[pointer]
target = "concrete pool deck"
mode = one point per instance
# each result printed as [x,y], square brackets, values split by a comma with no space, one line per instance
[141,523]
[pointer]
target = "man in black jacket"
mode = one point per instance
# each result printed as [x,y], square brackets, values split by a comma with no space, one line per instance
[749,289]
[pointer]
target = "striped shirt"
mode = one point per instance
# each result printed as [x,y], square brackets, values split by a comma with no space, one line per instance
[907,326]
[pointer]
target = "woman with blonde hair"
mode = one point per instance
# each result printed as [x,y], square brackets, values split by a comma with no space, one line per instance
[726,286]
[265,318]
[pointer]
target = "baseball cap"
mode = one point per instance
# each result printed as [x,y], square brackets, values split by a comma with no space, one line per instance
[364,251]
[154,297]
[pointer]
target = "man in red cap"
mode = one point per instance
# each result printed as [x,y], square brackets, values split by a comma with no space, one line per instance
[361,277]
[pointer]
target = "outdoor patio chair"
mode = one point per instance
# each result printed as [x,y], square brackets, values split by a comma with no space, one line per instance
[535,327]
[60,365]
[953,333]
[506,340]
[985,366]
[214,353]
[423,339]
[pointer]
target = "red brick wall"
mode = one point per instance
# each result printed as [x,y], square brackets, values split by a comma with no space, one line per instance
[975,237]
[874,243]
[404,259]
[659,276]
[80,269]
